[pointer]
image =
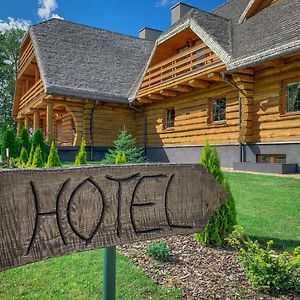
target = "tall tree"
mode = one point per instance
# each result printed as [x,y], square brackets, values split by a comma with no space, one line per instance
[10,41]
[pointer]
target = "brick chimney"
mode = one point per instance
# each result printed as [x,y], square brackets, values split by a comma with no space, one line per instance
[149,34]
[179,10]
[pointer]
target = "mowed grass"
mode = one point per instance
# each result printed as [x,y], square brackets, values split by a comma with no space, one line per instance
[268,207]
[78,276]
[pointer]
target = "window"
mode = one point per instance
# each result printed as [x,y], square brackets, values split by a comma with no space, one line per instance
[271,158]
[219,110]
[170,118]
[292,96]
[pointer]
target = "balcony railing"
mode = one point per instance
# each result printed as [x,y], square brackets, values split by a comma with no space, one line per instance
[36,90]
[25,58]
[195,59]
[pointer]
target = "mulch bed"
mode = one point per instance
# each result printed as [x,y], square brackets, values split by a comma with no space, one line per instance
[200,272]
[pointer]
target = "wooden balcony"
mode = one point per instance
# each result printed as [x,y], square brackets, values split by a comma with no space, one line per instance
[35,91]
[187,65]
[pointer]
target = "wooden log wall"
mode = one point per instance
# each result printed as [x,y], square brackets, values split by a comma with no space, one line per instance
[192,119]
[109,120]
[67,129]
[271,123]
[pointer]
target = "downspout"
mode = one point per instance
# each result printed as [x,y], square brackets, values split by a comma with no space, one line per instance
[92,129]
[241,145]
[145,125]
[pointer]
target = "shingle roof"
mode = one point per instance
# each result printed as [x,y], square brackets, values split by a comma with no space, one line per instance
[86,62]
[271,33]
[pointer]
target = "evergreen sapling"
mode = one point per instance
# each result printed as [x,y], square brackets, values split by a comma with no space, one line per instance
[53,158]
[223,221]
[81,155]
[24,140]
[23,159]
[38,161]
[124,143]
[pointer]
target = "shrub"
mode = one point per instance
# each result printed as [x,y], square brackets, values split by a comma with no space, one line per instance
[30,158]
[9,141]
[38,161]
[160,251]
[120,158]
[81,155]
[23,159]
[24,140]
[124,143]
[222,222]
[38,140]
[266,270]
[53,158]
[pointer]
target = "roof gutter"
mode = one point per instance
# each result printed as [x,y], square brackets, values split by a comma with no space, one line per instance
[141,111]
[92,128]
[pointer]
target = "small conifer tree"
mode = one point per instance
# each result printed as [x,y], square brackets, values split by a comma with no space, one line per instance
[24,140]
[38,161]
[120,158]
[223,221]
[124,143]
[53,158]
[9,141]
[23,159]
[38,140]
[81,155]
[30,158]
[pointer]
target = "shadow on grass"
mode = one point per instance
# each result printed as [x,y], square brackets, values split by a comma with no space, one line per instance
[279,244]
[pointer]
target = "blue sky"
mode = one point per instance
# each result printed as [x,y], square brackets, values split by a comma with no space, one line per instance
[121,16]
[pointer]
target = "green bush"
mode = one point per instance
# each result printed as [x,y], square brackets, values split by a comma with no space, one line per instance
[160,251]
[38,161]
[223,221]
[120,158]
[9,141]
[24,140]
[38,140]
[23,159]
[53,158]
[124,143]
[30,158]
[81,155]
[265,269]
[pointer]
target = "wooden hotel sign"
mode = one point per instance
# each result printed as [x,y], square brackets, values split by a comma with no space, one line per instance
[48,213]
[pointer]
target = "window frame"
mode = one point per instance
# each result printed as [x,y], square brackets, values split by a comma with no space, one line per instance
[166,127]
[211,110]
[284,96]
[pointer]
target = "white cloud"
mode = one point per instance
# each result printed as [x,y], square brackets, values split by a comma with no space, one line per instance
[162,3]
[14,23]
[46,9]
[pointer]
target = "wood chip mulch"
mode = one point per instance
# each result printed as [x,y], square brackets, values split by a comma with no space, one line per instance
[200,272]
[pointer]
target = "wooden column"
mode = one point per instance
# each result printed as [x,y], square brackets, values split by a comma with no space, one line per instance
[244,81]
[36,120]
[27,122]
[49,121]
[19,126]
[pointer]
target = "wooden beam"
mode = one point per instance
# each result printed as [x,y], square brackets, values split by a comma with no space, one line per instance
[277,63]
[144,100]
[168,93]
[19,126]
[156,97]
[182,88]
[49,121]
[215,76]
[197,83]
[36,120]
[27,122]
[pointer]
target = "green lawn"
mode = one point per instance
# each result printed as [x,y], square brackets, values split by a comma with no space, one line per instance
[78,276]
[268,207]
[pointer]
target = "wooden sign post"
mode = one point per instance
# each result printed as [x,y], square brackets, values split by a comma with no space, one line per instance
[47,213]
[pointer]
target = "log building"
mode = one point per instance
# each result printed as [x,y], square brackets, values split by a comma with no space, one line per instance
[230,76]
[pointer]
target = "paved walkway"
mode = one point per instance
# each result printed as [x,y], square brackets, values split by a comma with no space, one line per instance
[296,175]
